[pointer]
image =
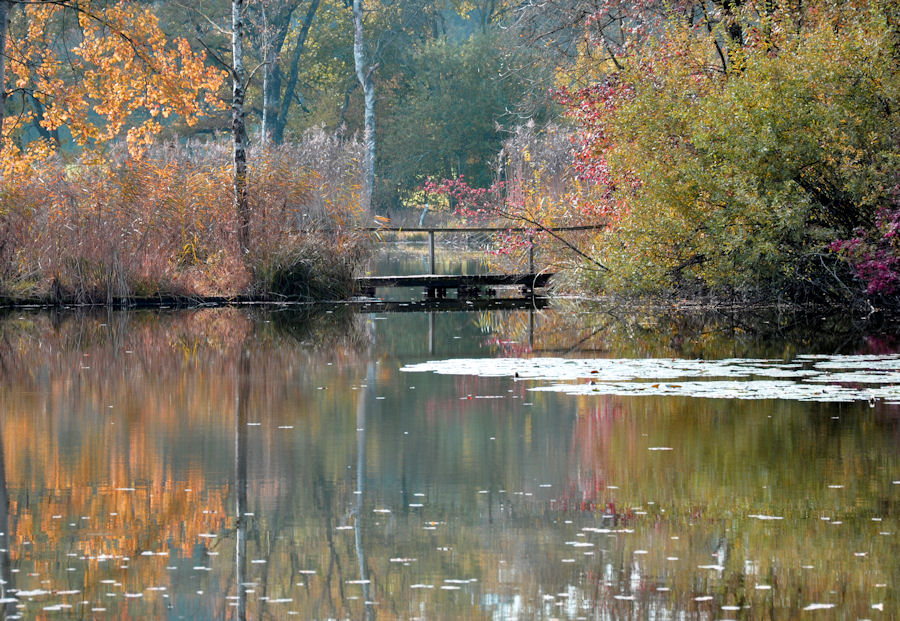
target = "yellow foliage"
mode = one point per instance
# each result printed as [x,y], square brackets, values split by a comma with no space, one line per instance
[123,70]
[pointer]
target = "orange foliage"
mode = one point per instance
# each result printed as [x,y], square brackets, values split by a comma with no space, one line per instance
[122,69]
[126,219]
[163,223]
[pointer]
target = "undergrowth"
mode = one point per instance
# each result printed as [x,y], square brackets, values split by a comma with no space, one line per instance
[98,230]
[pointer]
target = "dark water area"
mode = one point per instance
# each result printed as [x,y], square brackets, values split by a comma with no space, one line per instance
[222,463]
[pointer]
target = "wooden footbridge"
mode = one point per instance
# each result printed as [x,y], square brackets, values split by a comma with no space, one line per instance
[466,285]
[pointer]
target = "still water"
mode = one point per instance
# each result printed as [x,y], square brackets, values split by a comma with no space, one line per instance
[223,463]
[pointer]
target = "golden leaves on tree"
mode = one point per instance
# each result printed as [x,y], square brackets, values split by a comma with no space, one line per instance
[107,74]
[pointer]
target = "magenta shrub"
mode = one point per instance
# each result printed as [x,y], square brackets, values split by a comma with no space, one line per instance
[874,253]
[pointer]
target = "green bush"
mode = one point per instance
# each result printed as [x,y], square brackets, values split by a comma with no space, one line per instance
[738,177]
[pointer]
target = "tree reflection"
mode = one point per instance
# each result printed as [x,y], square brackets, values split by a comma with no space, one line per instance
[240,478]
[177,477]
[362,404]
[7,588]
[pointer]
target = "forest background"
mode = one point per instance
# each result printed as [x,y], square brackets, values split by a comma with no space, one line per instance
[734,148]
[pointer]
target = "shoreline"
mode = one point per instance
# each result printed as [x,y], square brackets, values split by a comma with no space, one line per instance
[659,305]
[376,304]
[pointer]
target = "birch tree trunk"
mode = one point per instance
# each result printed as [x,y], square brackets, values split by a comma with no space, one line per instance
[238,125]
[364,75]
[268,67]
[5,10]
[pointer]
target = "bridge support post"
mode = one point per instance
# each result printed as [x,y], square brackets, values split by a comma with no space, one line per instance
[431,252]
[531,253]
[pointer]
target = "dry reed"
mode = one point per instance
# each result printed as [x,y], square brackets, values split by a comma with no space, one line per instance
[117,228]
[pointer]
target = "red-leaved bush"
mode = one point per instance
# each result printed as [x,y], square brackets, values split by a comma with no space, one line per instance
[874,253]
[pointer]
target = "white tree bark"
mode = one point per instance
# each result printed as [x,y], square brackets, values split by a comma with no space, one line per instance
[268,50]
[364,73]
[238,125]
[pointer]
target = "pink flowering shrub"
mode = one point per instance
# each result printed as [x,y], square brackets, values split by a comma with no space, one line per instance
[874,254]
[477,204]
[483,206]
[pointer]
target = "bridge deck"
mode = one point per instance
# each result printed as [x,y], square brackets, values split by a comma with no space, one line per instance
[463,283]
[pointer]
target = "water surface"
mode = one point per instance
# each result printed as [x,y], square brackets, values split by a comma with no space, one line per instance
[232,464]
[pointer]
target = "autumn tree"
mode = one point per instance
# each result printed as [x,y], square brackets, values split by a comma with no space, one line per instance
[239,125]
[728,149]
[268,24]
[5,8]
[122,78]
[306,75]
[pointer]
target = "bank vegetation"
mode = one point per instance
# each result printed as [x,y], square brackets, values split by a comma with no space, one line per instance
[740,151]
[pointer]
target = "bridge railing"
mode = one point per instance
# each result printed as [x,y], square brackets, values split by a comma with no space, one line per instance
[432,231]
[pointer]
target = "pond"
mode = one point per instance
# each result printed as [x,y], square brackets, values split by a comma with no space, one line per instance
[332,464]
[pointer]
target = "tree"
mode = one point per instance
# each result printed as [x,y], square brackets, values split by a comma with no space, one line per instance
[730,157]
[364,73]
[455,98]
[238,125]
[102,72]
[5,8]
[275,26]
[445,85]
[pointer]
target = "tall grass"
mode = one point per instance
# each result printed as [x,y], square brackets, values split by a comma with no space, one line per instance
[115,228]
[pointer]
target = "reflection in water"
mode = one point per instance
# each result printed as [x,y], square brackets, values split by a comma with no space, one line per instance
[7,586]
[127,477]
[361,406]
[240,480]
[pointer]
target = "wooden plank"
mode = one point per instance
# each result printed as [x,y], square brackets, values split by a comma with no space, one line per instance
[479,229]
[451,281]
[451,304]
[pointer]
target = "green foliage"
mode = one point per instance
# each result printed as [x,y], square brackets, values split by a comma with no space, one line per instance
[326,69]
[739,178]
[447,76]
[445,122]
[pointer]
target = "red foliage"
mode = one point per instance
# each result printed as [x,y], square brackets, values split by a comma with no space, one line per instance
[874,253]
[590,107]
[483,205]
[480,204]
